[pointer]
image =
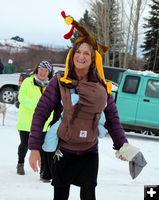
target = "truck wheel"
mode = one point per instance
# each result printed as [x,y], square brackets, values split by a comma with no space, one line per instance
[146,132]
[7,95]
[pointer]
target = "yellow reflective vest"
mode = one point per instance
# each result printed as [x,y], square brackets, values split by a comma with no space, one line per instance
[29,95]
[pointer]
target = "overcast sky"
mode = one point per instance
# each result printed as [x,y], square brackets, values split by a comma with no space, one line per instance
[39,21]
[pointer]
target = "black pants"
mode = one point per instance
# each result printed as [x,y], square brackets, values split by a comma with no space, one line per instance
[46,164]
[23,147]
[46,158]
[87,192]
[80,170]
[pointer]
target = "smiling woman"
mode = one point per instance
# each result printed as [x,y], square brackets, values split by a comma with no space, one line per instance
[29,95]
[82,60]
[76,156]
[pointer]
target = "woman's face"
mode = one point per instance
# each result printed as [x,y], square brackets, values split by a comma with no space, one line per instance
[82,57]
[43,73]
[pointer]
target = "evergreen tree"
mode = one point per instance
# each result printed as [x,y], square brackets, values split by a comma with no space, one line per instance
[151,42]
[18,39]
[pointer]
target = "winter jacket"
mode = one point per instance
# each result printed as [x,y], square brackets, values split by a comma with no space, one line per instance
[51,98]
[51,139]
[9,69]
[28,97]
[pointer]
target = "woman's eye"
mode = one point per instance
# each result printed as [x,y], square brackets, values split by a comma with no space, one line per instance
[86,53]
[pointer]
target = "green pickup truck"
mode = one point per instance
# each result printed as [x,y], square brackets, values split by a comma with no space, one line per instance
[137,100]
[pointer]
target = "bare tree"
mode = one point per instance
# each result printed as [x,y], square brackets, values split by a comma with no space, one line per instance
[136,23]
[100,12]
[106,27]
[106,16]
[128,35]
[121,35]
[116,34]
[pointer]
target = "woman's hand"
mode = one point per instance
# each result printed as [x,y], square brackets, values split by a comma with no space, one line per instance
[122,158]
[33,159]
[127,152]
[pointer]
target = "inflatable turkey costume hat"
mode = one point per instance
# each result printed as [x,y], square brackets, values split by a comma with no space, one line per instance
[85,36]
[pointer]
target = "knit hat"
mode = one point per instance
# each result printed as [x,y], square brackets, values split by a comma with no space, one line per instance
[10,61]
[85,36]
[45,64]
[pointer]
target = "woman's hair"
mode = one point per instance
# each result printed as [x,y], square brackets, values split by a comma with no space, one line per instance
[74,49]
[35,71]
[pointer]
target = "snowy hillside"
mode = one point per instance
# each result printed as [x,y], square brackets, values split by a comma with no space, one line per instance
[13,45]
[114,180]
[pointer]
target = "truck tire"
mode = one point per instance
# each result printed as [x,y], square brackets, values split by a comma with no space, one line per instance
[7,95]
[148,132]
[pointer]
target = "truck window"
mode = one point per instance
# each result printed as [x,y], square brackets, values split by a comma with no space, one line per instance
[152,88]
[131,84]
[113,73]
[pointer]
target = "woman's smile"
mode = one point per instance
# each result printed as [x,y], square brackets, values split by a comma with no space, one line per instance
[82,60]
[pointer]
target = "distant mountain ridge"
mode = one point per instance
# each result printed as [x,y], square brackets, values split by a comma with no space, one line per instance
[14,45]
[10,44]
[25,55]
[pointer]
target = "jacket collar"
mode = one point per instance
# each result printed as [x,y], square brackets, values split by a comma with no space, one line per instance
[92,76]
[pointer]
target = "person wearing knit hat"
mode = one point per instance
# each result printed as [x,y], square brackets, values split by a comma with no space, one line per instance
[45,64]
[9,68]
[29,94]
[10,61]
[76,157]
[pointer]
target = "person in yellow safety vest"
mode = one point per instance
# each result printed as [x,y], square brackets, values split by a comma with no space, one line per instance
[29,95]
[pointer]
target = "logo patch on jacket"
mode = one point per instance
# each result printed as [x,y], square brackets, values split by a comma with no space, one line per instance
[83,134]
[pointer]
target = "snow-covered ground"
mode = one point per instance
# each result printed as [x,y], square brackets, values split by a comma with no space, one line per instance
[16,46]
[114,180]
